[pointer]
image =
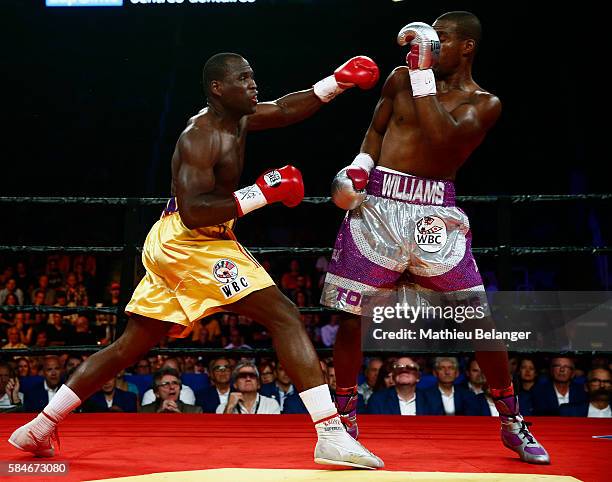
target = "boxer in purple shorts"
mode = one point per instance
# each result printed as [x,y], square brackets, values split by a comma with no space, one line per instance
[402,225]
[424,235]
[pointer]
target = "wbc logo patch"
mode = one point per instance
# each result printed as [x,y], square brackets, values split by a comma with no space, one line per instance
[225,271]
[430,234]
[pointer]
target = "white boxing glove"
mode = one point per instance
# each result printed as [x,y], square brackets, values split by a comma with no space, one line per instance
[424,53]
[348,187]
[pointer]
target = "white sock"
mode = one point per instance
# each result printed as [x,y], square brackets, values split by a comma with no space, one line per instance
[64,402]
[318,403]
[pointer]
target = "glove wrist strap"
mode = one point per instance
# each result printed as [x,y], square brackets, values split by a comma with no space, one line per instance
[249,198]
[327,88]
[364,161]
[423,83]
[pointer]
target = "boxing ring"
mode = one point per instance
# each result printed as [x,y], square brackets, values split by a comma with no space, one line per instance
[206,447]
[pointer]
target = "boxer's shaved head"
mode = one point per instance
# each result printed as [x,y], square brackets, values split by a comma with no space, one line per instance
[467,25]
[216,68]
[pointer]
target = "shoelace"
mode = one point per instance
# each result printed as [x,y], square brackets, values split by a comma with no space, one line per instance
[524,431]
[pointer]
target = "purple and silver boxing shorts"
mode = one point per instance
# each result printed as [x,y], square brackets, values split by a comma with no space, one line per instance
[408,227]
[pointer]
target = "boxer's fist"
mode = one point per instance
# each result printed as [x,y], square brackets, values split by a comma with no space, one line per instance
[424,45]
[361,71]
[348,187]
[284,185]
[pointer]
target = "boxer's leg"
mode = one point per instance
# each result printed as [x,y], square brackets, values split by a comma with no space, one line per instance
[280,316]
[293,347]
[140,335]
[366,260]
[450,267]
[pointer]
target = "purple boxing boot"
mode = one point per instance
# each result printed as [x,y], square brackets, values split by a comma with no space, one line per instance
[515,432]
[346,403]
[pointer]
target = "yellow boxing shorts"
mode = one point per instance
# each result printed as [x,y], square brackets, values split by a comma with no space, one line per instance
[192,273]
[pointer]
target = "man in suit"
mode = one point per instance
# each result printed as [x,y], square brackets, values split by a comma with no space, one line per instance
[281,388]
[475,379]
[403,398]
[445,397]
[39,395]
[211,397]
[599,389]
[548,396]
[167,388]
[111,399]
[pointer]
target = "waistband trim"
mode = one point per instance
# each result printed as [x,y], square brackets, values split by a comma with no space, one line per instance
[390,184]
[171,208]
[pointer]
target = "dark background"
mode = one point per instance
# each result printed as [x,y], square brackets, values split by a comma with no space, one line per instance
[95,99]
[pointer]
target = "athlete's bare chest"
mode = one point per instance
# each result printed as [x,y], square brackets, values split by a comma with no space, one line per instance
[229,160]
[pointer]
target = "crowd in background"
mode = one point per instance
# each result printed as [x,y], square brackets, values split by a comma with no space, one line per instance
[398,385]
[395,385]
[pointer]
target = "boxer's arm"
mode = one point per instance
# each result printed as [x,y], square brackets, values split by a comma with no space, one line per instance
[358,71]
[372,141]
[285,111]
[466,124]
[199,200]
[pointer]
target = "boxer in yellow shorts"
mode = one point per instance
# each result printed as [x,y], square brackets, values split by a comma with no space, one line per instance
[193,273]
[195,266]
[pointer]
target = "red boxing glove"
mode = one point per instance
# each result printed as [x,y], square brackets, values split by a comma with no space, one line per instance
[358,176]
[361,71]
[284,185]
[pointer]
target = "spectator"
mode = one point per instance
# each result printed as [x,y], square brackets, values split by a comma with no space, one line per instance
[42,339]
[186,393]
[75,292]
[39,395]
[266,371]
[211,397]
[126,386]
[189,363]
[527,374]
[143,367]
[384,379]
[547,397]
[11,399]
[371,374]
[329,331]
[48,293]
[331,376]
[35,365]
[246,398]
[289,279]
[14,339]
[24,281]
[599,389]
[82,334]
[23,367]
[60,333]
[403,398]
[56,278]
[475,378]
[72,362]
[281,388]
[483,404]
[167,389]
[11,289]
[236,340]
[111,399]
[445,397]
